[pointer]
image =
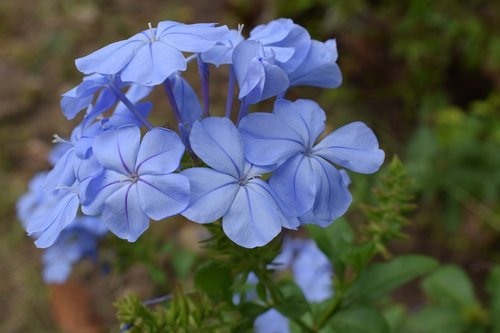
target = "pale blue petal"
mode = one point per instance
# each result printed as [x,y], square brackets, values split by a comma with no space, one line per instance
[254,218]
[354,147]
[276,81]
[99,189]
[242,57]
[304,116]
[71,104]
[197,38]
[117,149]
[252,85]
[333,197]
[212,193]
[123,214]
[161,196]
[187,100]
[319,68]
[222,52]
[268,140]
[218,143]
[160,152]
[295,183]
[104,102]
[63,173]
[153,63]
[123,116]
[110,59]
[49,226]
[271,321]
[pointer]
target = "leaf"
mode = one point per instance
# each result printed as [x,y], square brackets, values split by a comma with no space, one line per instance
[395,315]
[434,319]
[359,320]
[379,280]
[294,303]
[449,285]
[214,279]
[182,262]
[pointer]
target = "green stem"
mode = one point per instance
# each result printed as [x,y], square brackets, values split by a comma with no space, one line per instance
[328,313]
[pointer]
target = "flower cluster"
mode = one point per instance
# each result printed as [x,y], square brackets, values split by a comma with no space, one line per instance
[258,172]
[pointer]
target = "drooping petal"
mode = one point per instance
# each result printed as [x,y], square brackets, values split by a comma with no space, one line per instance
[187,100]
[161,196]
[354,147]
[110,59]
[268,140]
[99,189]
[212,193]
[71,104]
[295,183]
[48,226]
[276,81]
[123,214]
[242,57]
[160,152]
[218,143]
[319,68]
[304,116]
[63,172]
[153,63]
[332,198]
[117,149]
[254,218]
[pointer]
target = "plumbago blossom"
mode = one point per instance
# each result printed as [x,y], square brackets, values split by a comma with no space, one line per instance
[256,172]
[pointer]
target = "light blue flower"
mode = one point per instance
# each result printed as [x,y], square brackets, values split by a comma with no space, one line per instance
[258,77]
[151,56]
[137,183]
[305,178]
[76,242]
[288,41]
[271,321]
[232,189]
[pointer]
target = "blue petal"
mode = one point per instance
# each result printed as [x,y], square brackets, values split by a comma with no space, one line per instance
[333,197]
[276,81]
[187,100]
[99,189]
[161,196]
[295,183]
[242,57]
[123,214]
[354,147]
[71,104]
[268,140]
[49,226]
[319,68]
[222,52]
[218,143]
[254,218]
[117,149]
[212,193]
[197,38]
[160,152]
[153,63]
[63,173]
[272,321]
[110,59]
[304,116]
[123,116]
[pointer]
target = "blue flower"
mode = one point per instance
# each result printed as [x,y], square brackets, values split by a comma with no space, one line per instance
[258,77]
[75,243]
[29,204]
[288,41]
[232,189]
[305,179]
[151,56]
[319,68]
[137,183]
[271,321]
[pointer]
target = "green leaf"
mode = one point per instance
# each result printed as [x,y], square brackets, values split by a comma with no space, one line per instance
[182,262]
[359,320]
[214,279]
[378,280]
[435,319]
[395,316]
[493,288]
[449,285]
[293,304]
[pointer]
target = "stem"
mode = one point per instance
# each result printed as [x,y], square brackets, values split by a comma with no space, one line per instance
[191,58]
[243,110]
[171,98]
[204,76]
[121,96]
[230,91]
[328,313]
[158,300]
